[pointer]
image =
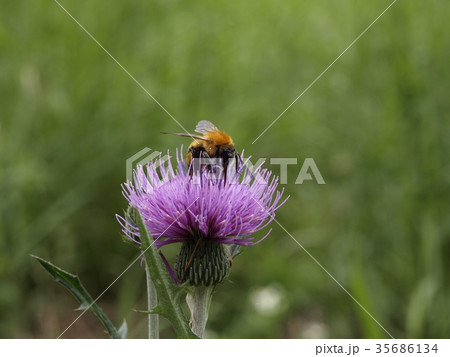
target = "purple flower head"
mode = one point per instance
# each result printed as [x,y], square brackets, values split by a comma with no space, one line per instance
[188,208]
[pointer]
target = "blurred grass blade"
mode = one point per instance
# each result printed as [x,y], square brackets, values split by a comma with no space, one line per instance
[169,294]
[73,284]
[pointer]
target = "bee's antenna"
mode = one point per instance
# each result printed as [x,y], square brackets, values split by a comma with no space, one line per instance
[193,136]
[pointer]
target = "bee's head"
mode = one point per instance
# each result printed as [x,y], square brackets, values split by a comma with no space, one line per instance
[227,153]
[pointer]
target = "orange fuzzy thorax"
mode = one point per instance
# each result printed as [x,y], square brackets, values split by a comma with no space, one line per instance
[219,138]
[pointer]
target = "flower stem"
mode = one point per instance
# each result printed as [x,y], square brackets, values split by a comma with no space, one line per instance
[198,301]
[153,319]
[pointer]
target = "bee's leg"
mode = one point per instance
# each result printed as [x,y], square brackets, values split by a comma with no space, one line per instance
[204,167]
[225,169]
[238,160]
[194,154]
[204,155]
[190,161]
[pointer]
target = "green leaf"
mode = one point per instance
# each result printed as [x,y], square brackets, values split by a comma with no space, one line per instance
[73,284]
[169,294]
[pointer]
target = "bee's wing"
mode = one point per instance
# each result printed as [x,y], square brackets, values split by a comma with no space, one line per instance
[205,126]
[193,136]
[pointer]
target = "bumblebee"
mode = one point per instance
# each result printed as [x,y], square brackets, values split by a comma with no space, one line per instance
[193,257]
[213,144]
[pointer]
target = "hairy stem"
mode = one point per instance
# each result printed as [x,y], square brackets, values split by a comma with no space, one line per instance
[153,319]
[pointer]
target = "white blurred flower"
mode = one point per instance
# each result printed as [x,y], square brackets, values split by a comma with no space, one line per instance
[267,300]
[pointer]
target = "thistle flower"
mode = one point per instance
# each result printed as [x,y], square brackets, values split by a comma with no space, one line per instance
[202,211]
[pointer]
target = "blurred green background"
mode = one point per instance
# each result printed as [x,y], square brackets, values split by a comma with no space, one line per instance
[376,124]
